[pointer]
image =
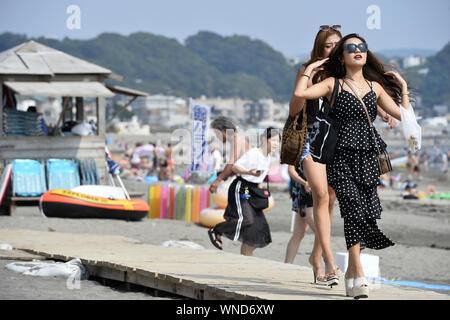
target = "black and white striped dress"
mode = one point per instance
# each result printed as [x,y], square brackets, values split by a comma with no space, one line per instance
[354,172]
[243,222]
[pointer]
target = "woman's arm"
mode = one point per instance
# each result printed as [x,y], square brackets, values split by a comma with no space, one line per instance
[316,91]
[387,103]
[386,117]
[239,170]
[296,104]
[294,175]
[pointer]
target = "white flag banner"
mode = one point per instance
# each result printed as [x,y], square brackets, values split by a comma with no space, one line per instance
[199,130]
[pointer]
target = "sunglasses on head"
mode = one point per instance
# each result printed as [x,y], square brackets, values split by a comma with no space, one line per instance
[335,27]
[351,47]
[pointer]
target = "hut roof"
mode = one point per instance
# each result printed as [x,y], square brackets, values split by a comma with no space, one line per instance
[33,58]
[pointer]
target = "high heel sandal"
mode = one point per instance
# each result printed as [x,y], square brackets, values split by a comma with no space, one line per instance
[360,288]
[320,280]
[332,279]
[349,287]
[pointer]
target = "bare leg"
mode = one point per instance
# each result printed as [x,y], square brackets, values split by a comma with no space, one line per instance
[310,219]
[247,250]
[300,228]
[331,200]
[317,178]
[315,259]
[354,269]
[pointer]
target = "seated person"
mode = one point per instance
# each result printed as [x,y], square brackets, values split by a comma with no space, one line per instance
[412,193]
[165,172]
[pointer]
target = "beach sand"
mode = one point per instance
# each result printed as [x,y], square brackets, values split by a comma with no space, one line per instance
[420,229]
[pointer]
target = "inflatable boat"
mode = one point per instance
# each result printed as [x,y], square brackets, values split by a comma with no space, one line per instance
[61,203]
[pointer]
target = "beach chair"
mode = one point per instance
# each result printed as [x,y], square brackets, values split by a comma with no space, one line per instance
[62,174]
[28,178]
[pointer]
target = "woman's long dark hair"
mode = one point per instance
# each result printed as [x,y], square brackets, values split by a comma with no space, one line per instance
[373,70]
[319,47]
[319,44]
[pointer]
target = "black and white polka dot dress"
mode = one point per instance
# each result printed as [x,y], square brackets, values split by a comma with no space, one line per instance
[354,172]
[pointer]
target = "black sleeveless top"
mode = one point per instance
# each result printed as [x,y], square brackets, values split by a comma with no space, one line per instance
[354,132]
[312,109]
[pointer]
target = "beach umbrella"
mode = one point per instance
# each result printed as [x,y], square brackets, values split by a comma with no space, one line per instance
[144,151]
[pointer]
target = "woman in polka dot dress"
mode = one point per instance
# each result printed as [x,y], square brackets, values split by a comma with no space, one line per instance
[354,172]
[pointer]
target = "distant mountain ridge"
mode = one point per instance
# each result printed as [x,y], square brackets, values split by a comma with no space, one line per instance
[208,64]
[213,65]
[406,52]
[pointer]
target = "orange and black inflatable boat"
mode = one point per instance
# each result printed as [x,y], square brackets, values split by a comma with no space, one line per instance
[61,203]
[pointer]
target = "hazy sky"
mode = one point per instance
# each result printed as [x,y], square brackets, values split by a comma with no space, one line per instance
[288,26]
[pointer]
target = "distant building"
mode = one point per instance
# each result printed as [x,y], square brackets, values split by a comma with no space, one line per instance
[441,110]
[423,71]
[265,110]
[436,122]
[161,111]
[413,61]
[233,108]
[132,127]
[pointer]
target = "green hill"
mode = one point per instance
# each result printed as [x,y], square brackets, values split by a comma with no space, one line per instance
[208,64]
[436,85]
[213,65]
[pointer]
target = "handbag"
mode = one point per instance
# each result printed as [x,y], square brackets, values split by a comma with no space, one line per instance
[324,132]
[384,162]
[260,197]
[293,140]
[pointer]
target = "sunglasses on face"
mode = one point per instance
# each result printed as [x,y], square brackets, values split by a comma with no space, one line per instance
[351,47]
[335,27]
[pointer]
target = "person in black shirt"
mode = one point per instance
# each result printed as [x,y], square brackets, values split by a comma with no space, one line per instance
[323,195]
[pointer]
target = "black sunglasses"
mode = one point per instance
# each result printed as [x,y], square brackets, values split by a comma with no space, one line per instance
[351,47]
[335,27]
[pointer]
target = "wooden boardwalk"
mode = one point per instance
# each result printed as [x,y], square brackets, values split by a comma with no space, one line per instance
[192,273]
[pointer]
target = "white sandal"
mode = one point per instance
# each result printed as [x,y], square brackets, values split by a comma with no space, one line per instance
[349,287]
[360,288]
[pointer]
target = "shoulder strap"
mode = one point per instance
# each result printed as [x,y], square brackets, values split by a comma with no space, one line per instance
[333,95]
[370,84]
[362,102]
[335,91]
[367,112]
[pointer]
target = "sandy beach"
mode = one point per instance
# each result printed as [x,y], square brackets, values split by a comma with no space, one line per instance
[420,229]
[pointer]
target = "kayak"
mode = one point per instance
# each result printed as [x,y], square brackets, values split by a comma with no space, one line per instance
[62,203]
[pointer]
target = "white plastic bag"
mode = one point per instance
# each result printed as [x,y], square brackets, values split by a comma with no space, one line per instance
[182,244]
[72,269]
[411,129]
[83,129]
[6,247]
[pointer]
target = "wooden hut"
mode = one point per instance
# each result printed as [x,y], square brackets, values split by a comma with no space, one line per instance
[35,69]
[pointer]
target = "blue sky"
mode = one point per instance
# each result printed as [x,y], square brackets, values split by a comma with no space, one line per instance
[289,26]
